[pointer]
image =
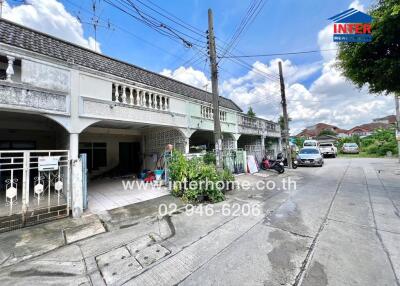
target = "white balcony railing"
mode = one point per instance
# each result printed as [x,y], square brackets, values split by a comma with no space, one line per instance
[135,96]
[256,123]
[208,112]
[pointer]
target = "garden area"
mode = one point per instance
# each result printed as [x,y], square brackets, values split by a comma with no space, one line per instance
[381,143]
[197,180]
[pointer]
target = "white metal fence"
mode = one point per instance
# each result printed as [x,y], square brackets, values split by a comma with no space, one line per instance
[30,190]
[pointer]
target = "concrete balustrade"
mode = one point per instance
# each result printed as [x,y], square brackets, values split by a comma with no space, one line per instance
[135,96]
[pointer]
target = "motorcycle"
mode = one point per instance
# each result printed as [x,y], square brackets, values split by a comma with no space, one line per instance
[285,161]
[276,165]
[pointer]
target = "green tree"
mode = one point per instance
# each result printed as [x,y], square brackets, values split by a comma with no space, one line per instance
[327,132]
[250,112]
[376,63]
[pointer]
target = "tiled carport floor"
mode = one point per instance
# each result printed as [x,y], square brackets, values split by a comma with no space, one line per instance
[107,194]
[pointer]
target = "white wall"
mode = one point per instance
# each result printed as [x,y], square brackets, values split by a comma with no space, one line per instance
[45,76]
[95,87]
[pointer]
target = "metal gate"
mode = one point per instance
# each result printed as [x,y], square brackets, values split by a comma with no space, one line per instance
[34,187]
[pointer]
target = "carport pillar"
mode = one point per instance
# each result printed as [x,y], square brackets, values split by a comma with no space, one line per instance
[263,145]
[187,145]
[76,176]
[74,145]
[235,140]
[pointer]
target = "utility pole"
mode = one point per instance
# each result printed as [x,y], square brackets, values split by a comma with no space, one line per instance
[285,118]
[214,85]
[1,8]
[397,99]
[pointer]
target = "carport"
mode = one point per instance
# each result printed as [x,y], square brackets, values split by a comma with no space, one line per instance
[117,153]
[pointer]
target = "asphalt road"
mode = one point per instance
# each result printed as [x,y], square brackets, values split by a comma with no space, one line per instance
[339,226]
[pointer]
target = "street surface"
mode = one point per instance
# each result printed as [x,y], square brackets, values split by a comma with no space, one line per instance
[340,226]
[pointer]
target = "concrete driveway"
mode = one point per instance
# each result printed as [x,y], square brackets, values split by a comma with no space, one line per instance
[339,226]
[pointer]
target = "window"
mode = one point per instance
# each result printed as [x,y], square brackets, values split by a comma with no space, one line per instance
[309,151]
[96,154]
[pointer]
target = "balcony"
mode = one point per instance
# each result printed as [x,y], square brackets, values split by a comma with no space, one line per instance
[134,96]
[258,126]
[15,95]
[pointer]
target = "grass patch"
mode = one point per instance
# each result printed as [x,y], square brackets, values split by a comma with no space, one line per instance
[359,155]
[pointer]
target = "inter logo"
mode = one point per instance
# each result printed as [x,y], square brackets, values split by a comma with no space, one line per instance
[352,26]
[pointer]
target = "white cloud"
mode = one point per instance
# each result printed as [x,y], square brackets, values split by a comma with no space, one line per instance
[357,5]
[49,16]
[189,76]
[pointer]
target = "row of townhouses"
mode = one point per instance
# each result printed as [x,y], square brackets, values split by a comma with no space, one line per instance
[60,100]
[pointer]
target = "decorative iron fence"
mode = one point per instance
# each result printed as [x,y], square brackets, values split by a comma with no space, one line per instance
[34,187]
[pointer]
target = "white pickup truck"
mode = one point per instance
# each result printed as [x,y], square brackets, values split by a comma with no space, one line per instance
[328,149]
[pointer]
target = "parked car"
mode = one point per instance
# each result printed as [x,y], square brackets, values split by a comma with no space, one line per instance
[350,148]
[328,149]
[310,156]
[310,143]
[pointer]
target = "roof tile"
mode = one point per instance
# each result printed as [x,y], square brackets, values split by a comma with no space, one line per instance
[25,38]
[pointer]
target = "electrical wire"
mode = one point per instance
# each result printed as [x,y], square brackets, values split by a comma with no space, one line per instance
[277,54]
[130,9]
[107,23]
[252,13]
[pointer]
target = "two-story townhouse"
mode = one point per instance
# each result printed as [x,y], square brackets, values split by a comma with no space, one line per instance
[60,99]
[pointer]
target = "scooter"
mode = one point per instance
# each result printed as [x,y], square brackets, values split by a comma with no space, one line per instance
[285,162]
[276,165]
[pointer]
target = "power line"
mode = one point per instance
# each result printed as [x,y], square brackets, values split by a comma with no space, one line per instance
[277,54]
[172,18]
[173,30]
[252,12]
[246,20]
[129,8]
[264,74]
[108,23]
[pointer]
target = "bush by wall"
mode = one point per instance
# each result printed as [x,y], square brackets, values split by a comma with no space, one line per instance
[196,181]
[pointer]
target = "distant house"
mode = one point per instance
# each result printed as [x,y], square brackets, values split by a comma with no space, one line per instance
[367,129]
[327,139]
[314,130]
[390,119]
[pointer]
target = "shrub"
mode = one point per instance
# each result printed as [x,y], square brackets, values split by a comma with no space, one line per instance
[189,179]
[210,158]
[380,142]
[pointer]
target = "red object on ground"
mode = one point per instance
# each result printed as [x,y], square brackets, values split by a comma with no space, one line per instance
[150,177]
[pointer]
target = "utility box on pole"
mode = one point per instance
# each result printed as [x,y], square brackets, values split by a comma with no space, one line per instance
[214,83]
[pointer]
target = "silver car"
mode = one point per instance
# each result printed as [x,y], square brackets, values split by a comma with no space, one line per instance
[310,157]
[351,148]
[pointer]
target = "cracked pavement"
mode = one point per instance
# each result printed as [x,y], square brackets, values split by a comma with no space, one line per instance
[341,226]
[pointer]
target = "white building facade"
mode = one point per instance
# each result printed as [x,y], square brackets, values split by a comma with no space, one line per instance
[56,96]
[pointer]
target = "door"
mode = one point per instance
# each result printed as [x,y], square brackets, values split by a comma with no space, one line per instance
[129,158]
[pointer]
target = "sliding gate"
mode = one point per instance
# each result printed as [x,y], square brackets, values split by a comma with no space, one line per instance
[34,187]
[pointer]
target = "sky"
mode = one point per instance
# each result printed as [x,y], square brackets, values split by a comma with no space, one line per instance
[316,90]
